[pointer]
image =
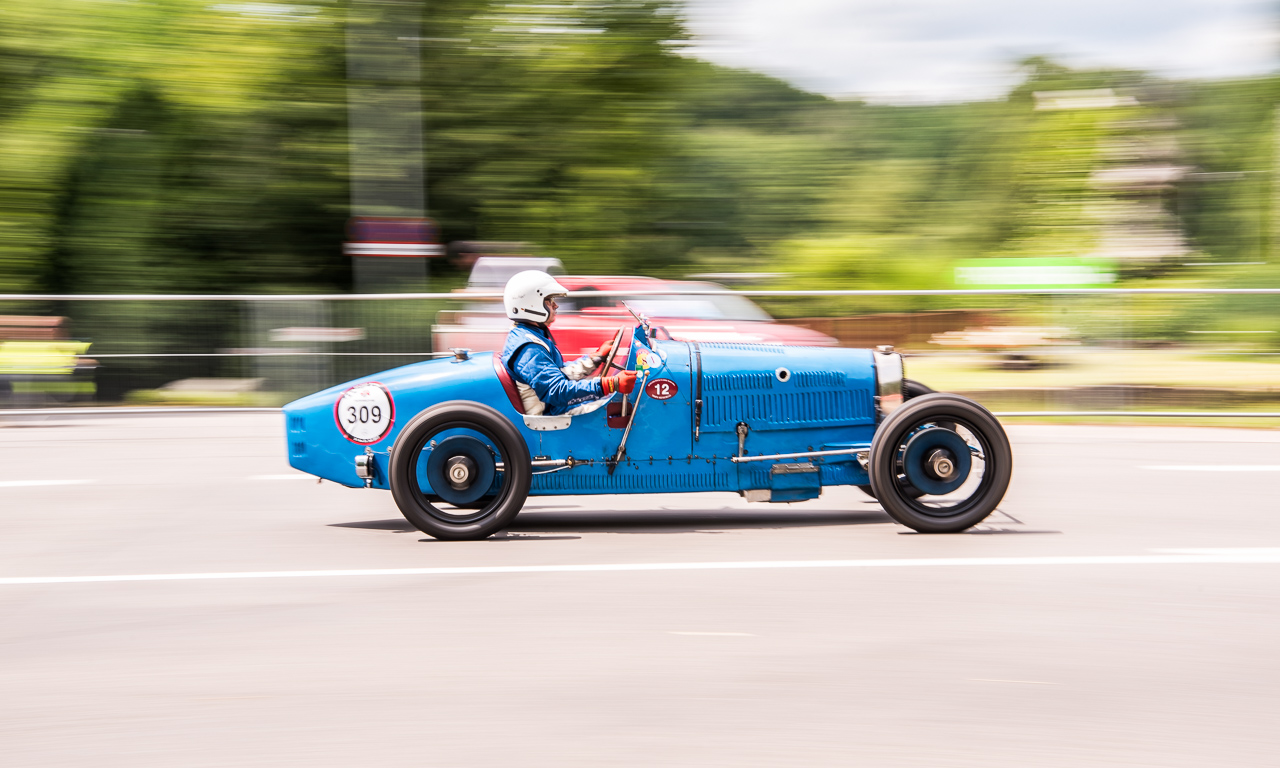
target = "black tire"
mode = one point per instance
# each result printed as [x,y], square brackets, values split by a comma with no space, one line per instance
[479,521]
[948,513]
[910,389]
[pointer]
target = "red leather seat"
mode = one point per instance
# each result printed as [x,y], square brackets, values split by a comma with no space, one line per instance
[508,383]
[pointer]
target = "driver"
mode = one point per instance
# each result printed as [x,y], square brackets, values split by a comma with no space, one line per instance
[546,385]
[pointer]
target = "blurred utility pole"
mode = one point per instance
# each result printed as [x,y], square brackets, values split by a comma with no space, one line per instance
[389,238]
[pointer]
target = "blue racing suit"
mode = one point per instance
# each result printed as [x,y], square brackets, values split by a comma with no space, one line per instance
[533,360]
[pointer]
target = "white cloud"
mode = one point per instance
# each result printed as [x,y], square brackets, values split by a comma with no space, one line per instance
[946,50]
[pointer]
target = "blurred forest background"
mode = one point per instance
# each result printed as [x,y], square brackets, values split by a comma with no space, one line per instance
[195,146]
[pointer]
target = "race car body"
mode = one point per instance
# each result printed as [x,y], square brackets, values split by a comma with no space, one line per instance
[772,422]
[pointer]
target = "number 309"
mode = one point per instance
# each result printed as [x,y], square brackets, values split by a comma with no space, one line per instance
[364,414]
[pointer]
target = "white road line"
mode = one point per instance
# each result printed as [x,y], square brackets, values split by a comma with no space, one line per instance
[1221,550]
[1219,468]
[31,483]
[1226,557]
[713,634]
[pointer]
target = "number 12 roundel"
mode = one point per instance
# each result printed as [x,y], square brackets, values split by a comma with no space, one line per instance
[365,413]
[661,389]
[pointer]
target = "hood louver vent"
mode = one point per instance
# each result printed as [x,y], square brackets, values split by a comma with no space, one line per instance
[646,478]
[789,409]
[827,379]
[776,349]
[730,382]
[761,399]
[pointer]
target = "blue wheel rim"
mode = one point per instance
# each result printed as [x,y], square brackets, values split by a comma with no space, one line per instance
[460,446]
[918,450]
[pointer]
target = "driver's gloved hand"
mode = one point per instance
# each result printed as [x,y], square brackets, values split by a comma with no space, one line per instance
[624,382]
[599,354]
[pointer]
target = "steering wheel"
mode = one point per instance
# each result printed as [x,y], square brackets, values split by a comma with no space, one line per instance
[607,363]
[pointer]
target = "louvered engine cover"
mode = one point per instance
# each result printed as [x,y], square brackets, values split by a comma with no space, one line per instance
[799,387]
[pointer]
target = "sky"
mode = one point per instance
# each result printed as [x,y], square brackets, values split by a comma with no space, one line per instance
[931,51]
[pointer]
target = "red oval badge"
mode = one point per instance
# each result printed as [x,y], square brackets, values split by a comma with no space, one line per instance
[661,389]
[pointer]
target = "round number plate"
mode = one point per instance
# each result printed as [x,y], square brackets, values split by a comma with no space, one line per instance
[365,413]
[661,389]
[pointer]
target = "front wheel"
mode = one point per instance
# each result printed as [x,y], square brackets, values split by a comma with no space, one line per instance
[910,389]
[951,452]
[460,471]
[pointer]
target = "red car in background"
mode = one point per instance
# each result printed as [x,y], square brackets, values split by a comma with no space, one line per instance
[584,322]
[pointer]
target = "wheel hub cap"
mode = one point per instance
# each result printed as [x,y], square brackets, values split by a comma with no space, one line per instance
[459,469]
[942,464]
[936,460]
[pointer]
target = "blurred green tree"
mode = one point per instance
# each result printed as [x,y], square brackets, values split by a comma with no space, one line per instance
[179,145]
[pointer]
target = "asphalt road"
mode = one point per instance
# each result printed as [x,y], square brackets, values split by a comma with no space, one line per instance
[1060,633]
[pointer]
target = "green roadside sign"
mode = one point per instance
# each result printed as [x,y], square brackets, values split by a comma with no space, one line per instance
[1044,272]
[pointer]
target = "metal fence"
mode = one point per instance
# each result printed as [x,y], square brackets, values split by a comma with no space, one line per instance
[1080,351]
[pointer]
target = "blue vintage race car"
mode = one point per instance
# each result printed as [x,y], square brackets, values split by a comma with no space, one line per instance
[774,423]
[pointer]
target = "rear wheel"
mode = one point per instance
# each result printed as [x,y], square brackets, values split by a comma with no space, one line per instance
[460,471]
[940,464]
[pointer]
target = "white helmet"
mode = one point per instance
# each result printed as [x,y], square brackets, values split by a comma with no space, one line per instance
[525,293]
